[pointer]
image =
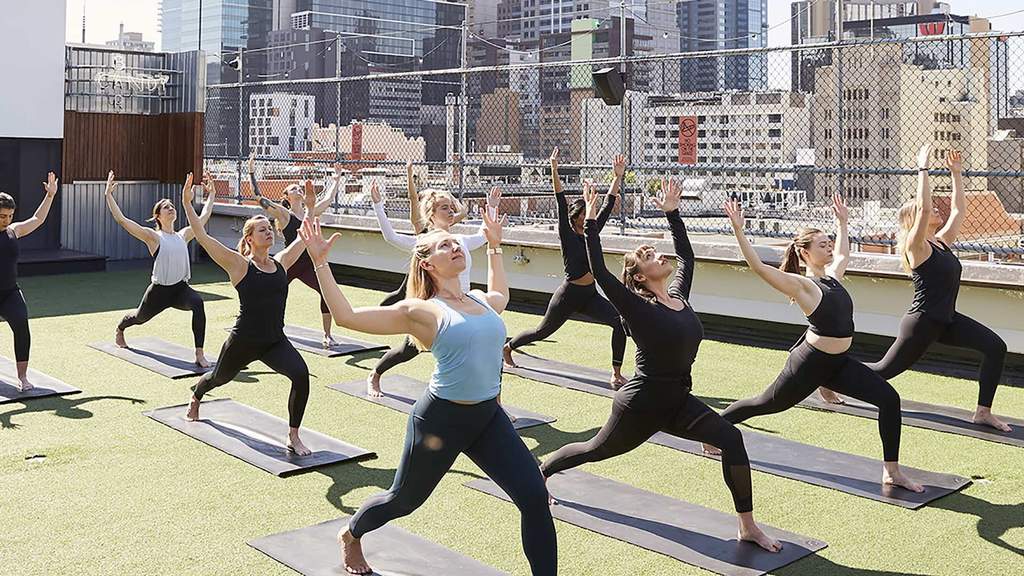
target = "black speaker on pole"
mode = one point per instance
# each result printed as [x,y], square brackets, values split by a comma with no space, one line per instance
[610,85]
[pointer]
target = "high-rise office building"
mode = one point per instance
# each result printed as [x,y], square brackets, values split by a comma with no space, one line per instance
[228,25]
[720,25]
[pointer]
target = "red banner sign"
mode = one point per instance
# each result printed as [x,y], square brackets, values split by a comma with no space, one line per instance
[687,139]
[931,28]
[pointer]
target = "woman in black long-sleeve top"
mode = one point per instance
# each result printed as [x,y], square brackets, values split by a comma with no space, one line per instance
[667,333]
[578,293]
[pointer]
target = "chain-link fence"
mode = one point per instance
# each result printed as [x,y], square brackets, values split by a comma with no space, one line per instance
[781,129]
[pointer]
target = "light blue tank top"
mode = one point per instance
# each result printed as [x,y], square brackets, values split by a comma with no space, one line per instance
[468,353]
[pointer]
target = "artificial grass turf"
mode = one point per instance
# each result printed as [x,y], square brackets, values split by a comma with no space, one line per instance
[120,494]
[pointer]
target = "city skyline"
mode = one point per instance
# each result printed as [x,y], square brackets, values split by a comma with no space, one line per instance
[105,16]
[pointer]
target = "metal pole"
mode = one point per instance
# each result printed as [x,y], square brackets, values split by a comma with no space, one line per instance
[241,125]
[337,103]
[463,105]
[625,118]
[838,64]
[199,45]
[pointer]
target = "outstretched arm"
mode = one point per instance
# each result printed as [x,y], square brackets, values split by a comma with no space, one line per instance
[204,216]
[617,293]
[619,170]
[667,200]
[232,262]
[415,216]
[958,206]
[411,316]
[330,192]
[917,239]
[841,250]
[400,241]
[274,210]
[474,241]
[789,284]
[147,235]
[497,282]
[26,227]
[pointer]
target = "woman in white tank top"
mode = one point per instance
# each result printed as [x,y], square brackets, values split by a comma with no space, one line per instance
[171,271]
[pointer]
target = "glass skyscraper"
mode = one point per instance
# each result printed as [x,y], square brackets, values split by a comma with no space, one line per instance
[706,25]
[227,25]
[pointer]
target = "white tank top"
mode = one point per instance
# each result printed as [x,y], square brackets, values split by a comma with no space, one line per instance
[170,265]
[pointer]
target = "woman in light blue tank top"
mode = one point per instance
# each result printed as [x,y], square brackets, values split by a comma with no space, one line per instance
[459,411]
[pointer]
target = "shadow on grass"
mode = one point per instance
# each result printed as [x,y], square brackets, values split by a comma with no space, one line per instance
[94,292]
[994,520]
[815,565]
[61,406]
[549,438]
[347,477]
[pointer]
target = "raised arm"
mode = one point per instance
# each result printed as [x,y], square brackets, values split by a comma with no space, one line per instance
[497,282]
[186,233]
[791,285]
[917,239]
[958,205]
[274,210]
[232,262]
[415,216]
[291,253]
[26,227]
[460,211]
[620,296]
[330,192]
[619,171]
[841,250]
[474,241]
[667,200]
[410,316]
[146,235]
[400,241]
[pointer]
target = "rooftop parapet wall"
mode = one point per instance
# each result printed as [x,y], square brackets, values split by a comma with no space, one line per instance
[991,293]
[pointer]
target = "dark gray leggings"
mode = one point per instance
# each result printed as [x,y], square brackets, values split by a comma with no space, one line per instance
[159,298]
[406,350]
[438,431]
[628,428]
[238,351]
[806,369]
[14,310]
[917,332]
[569,299]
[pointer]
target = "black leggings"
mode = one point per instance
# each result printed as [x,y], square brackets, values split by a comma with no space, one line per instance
[398,294]
[14,310]
[304,272]
[406,350]
[806,369]
[569,299]
[158,298]
[438,431]
[280,356]
[917,332]
[628,428]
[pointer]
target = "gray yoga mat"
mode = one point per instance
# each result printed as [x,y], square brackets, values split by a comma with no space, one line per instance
[689,533]
[847,473]
[401,392]
[256,437]
[44,385]
[561,374]
[309,340]
[930,416]
[164,358]
[390,551]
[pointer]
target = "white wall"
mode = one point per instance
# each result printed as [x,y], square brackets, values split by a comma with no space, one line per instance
[32,69]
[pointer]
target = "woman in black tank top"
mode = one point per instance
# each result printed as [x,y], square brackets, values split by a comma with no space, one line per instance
[924,246]
[12,302]
[819,358]
[258,334]
[288,216]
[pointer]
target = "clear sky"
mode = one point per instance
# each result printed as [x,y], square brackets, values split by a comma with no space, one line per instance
[104,16]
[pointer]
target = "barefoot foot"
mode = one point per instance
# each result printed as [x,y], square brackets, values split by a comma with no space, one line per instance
[119,339]
[373,386]
[193,410]
[328,342]
[754,534]
[896,477]
[617,381]
[25,384]
[506,356]
[830,397]
[201,360]
[711,450]
[352,554]
[295,444]
[985,417]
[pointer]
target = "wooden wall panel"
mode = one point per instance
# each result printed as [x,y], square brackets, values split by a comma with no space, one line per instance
[161,147]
